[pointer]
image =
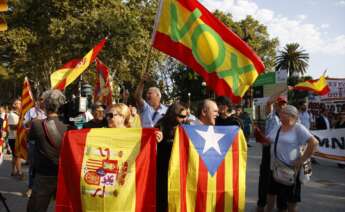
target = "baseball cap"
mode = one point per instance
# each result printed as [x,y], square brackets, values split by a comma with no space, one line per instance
[282,99]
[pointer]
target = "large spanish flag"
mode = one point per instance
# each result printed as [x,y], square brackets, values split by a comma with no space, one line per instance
[27,99]
[107,170]
[318,87]
[186,30]
[64,76]
[207,169]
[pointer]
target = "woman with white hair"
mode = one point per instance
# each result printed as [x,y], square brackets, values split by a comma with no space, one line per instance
[286,142]
[48,134]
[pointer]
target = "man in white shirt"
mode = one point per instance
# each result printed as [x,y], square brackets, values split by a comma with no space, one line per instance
[151,109]
[13,119]
[36,112]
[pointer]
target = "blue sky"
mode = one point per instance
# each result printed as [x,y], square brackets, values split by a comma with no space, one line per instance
[317,25]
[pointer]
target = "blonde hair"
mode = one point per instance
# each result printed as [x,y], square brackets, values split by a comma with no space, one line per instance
[123,110]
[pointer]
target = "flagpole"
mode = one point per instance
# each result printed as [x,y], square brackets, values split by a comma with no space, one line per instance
[147,62]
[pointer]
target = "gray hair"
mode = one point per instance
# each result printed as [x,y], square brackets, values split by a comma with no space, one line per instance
[290,110]
[157,91]
[53,100]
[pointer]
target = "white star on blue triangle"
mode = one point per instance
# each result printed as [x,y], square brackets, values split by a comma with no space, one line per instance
[212,143]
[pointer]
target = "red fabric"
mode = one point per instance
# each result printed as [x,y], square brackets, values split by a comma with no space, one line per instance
[184,54]
[146,187]
[235,174]
[68,192]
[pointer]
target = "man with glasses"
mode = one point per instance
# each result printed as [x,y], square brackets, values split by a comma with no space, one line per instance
[98,120]
[151,110]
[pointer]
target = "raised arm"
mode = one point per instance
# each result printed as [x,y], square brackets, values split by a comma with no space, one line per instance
[138,95]
[273,99]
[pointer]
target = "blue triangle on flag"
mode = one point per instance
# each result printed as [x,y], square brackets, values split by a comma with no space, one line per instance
[212,153]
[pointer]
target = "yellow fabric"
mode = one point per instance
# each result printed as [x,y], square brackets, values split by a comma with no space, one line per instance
[318,85]
[116,197]
[174,202]
[71,74]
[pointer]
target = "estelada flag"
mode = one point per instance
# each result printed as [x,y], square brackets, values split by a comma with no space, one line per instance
[107,170]
[318,87]
[28,102]
[103,91]
[64,76]
[207,169]
[186,30]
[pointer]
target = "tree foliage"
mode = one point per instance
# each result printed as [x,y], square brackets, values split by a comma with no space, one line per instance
[43,35]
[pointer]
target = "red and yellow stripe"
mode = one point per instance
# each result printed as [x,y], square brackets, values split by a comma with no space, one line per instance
[61,78]
[192,188]
[319,86]
[27,103]
[136,146]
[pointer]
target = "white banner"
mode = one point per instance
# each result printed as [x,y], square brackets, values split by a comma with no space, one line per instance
[331,144]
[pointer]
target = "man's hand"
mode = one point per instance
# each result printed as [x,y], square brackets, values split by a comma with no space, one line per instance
[159,136]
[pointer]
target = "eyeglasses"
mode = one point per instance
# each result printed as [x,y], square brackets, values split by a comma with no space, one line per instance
[112,115]
[182,116]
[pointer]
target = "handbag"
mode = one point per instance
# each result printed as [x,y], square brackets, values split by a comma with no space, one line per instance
[282,173]
[306,170]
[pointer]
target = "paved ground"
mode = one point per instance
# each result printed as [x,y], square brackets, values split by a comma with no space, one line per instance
[324,193]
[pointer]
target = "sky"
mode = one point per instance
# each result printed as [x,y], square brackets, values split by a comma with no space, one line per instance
[317,25]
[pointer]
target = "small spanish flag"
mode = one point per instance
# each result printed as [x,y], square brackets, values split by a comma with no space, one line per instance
[64,76]
[318,87]
[207,170]
[107,170]
[103,91]
[187,31]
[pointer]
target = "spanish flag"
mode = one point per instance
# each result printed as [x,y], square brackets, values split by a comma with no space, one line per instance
[207,169]
[107,170]
[64,76]
[186,30]
[27,99]
[318,87]
[103,91]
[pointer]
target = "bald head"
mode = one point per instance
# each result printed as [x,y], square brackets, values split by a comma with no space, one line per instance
[208,112]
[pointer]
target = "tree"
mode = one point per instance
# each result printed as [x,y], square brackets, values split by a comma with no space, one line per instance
[43,35]
[293,59]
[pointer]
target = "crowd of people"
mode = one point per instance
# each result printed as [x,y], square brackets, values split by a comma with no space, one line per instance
[284,124]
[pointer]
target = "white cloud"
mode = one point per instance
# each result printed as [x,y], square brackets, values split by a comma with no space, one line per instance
[312,38]
[340,3]
[324,26]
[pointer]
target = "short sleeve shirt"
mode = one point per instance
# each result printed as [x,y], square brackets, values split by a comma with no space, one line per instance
[13,119]
[289,143]
[272,122]
[149,117]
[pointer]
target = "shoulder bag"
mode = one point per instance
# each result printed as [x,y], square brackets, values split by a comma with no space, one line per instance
[282,173]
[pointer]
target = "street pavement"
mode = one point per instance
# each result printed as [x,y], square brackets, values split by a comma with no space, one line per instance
[324,193]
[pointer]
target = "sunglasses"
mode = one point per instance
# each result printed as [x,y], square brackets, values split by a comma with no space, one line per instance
[112,115]
[182,116]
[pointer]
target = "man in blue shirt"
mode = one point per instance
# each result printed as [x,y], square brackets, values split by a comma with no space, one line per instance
[151,109]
